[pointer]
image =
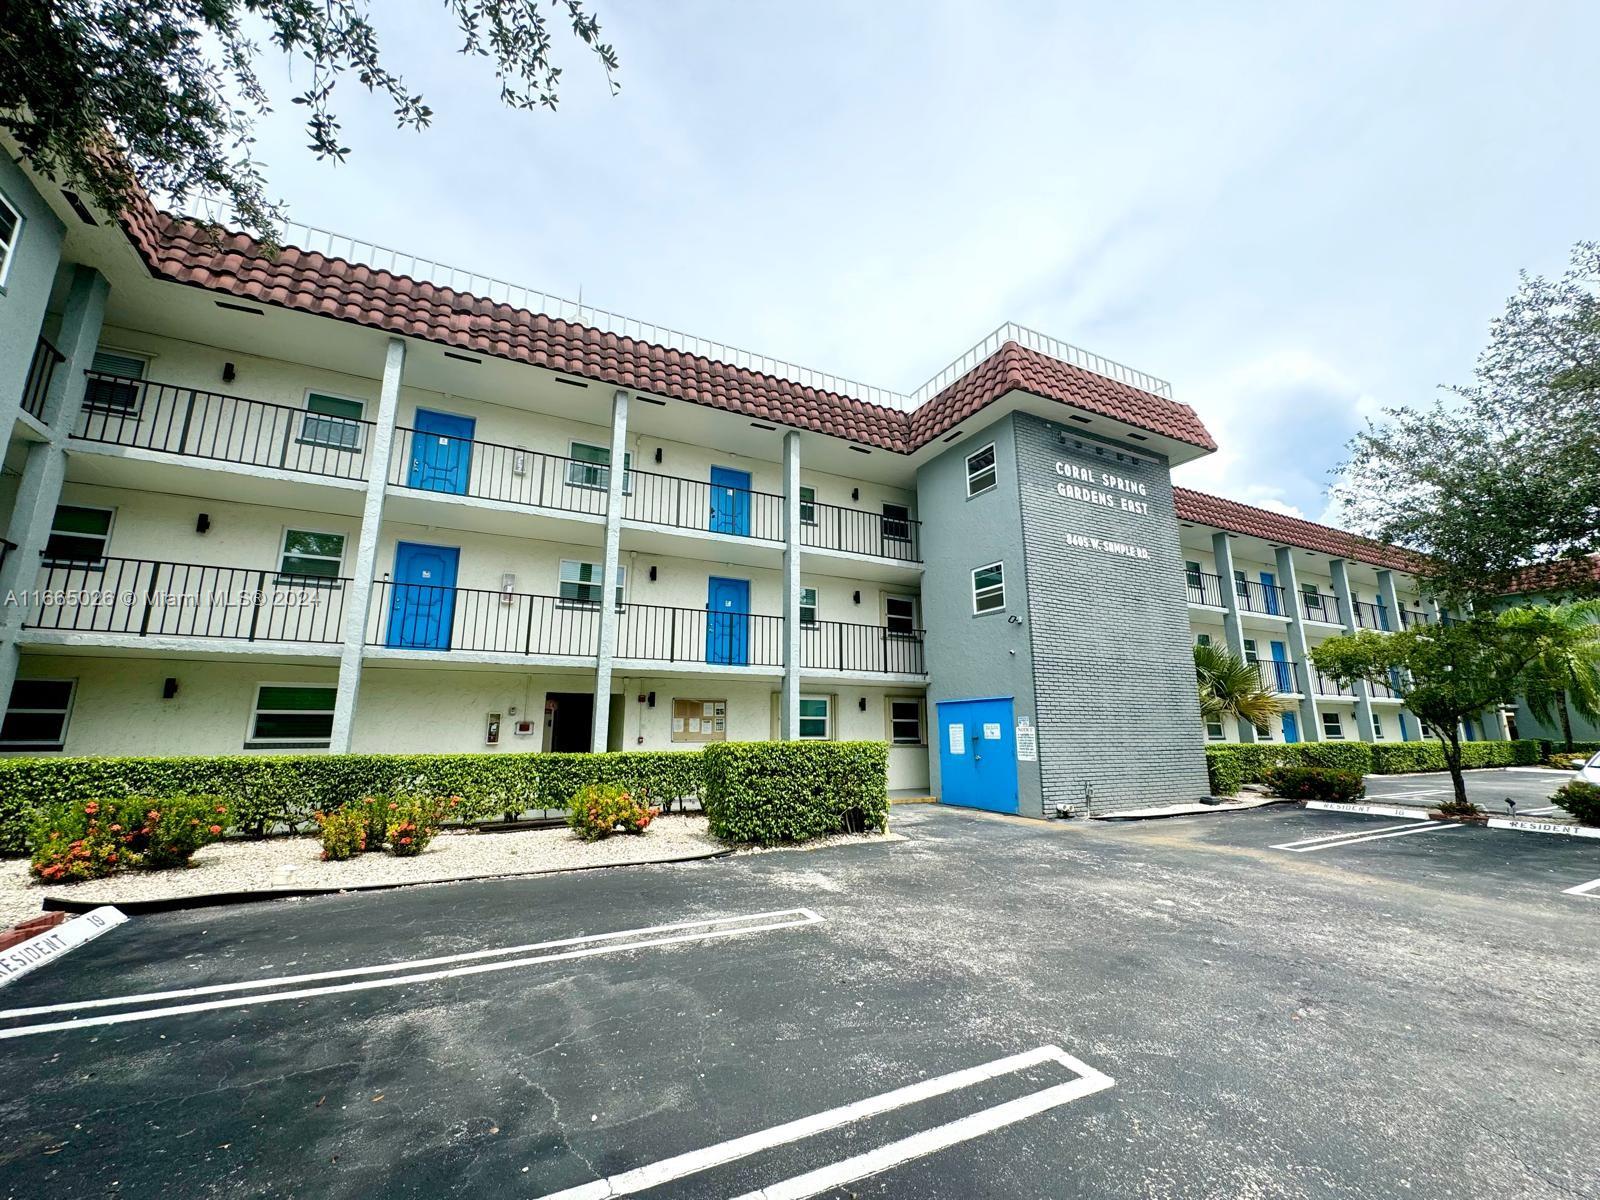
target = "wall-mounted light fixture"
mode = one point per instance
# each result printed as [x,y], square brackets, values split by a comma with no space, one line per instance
[861,704]
[169,688]
[652,572]
[228,373]
[202,522]
[658,453]
[856,597]
[855,493]
[650,700]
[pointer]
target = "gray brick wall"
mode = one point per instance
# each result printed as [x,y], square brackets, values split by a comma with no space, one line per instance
[1114,676]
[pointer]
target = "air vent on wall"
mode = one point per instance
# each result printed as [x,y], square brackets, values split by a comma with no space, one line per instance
[653,400]
[571,382]
[241,308]
[759,425]
[861,450]
[466,358]
[78,206]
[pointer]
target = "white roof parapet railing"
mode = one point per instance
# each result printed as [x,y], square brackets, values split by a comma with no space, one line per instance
[336,245]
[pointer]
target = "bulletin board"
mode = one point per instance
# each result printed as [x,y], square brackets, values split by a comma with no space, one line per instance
[699,720]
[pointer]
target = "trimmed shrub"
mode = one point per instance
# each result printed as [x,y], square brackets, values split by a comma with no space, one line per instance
[344,832]
[269,793]
[1554,746]
[415,821]
[597,810]
[1402,758]
[171,830]
[1231,767]
[1580,799]
[1316,783]
[771,792]
[77,841]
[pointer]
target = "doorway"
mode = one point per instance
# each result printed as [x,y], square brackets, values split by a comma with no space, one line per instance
[978,754]
[568,722]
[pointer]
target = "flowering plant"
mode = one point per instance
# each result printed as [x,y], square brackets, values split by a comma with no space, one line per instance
[343,831]
[600,809]
[415,820]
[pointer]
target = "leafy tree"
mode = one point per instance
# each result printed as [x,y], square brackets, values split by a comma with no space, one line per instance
[1446,674]
[107,94]
[1565,677]
[1231,689]
[1503,473]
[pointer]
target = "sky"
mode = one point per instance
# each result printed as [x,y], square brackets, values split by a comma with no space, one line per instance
[1299,215]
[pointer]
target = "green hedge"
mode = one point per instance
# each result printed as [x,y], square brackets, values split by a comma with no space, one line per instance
[1233,766]
[1402,758]
[770,792]
[267,792]
[1551,746]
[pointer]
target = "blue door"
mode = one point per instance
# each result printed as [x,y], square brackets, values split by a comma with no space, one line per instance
[730,501]
[978,754]
[422,601]
[1291,728]
[1383,614]
[1282,672]
[1269,589]
[728,621]
[441,452]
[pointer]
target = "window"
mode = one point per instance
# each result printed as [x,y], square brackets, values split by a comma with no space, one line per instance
[897,522]
[905,721]
[581,582]
[1241,587]
[1202,639]
[1332,727]
[292,713]
[308,553]
[816,717]
[808,506]
[1214,732]
[1191,576]
[36,718]
[900,614]
[989,588]
[1377,728]
[808,606]
[1316,608]
[119,395]
[79,535]
[10,228]
[332,421]
[1250,654]
[591,467]
[980,471]
[1264,732]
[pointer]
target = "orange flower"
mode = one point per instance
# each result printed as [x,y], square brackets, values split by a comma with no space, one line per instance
[91,808]
[216,830]
[116,829]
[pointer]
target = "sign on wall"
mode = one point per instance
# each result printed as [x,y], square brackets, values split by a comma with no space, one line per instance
[1027,741]
[699,720]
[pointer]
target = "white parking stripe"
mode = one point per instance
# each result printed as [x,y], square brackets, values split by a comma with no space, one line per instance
[1348,833]
[1539,812]
[1592,888]
[363,985]
[1431,827]
[392,967]
[919,1145]
[643,1178]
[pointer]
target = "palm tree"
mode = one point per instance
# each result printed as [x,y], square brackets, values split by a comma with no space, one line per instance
[1231,688]
[1565,677]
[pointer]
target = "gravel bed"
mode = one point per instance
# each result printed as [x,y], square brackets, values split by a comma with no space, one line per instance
[295,862]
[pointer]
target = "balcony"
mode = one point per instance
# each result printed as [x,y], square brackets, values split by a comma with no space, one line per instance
[1372,616]
[656,633]
[1261,598]
[414,616]
[1204,589]
[840,646]
[145,415]
[1318,607]
[41,371]
[1278,676]
[1410,617]
[858,531]
[1329,687]
[699,506]
[137,597]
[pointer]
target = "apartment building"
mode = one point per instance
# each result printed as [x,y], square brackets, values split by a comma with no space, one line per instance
[342,499]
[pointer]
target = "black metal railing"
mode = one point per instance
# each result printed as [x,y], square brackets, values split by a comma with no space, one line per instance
[859,531]
[1330,687]
[1261,598]
[1277,675]
[1372,616]
[1386,691]
[1321,607]
[702,506]
[150,598]
[146,415]
[41,370]
[1203,588]
[655,633]
[1412,616]
[840,646]
[419,616]
[453,466]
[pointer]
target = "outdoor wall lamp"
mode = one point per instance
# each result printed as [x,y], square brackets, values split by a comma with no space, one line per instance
[855,493]
[169,688]
[202,522]
[652,572]
[658,453]
[861,704]
[856,597]
[228,373]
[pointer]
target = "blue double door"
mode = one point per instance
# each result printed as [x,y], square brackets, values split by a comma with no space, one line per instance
[728,621]
[422,597]
[978,753]
[441,452]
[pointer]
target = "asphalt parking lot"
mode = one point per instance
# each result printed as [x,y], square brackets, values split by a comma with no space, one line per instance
[1528,787]
[990,1008]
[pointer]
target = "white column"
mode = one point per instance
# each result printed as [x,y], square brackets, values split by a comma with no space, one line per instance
[1289,578]
[608,572]
[39,490]
[1232,628]
[789,701]
[1347,601]
[359,599]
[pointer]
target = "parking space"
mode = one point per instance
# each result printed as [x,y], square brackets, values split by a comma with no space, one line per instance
[1528,788]
[989,1008]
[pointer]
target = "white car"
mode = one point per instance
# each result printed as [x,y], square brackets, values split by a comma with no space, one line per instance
[1590,771]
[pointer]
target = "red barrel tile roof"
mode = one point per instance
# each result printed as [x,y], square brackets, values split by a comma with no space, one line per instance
[1203,509]
[234,264]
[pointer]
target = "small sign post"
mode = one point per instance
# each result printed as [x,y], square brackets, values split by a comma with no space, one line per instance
[53,943]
